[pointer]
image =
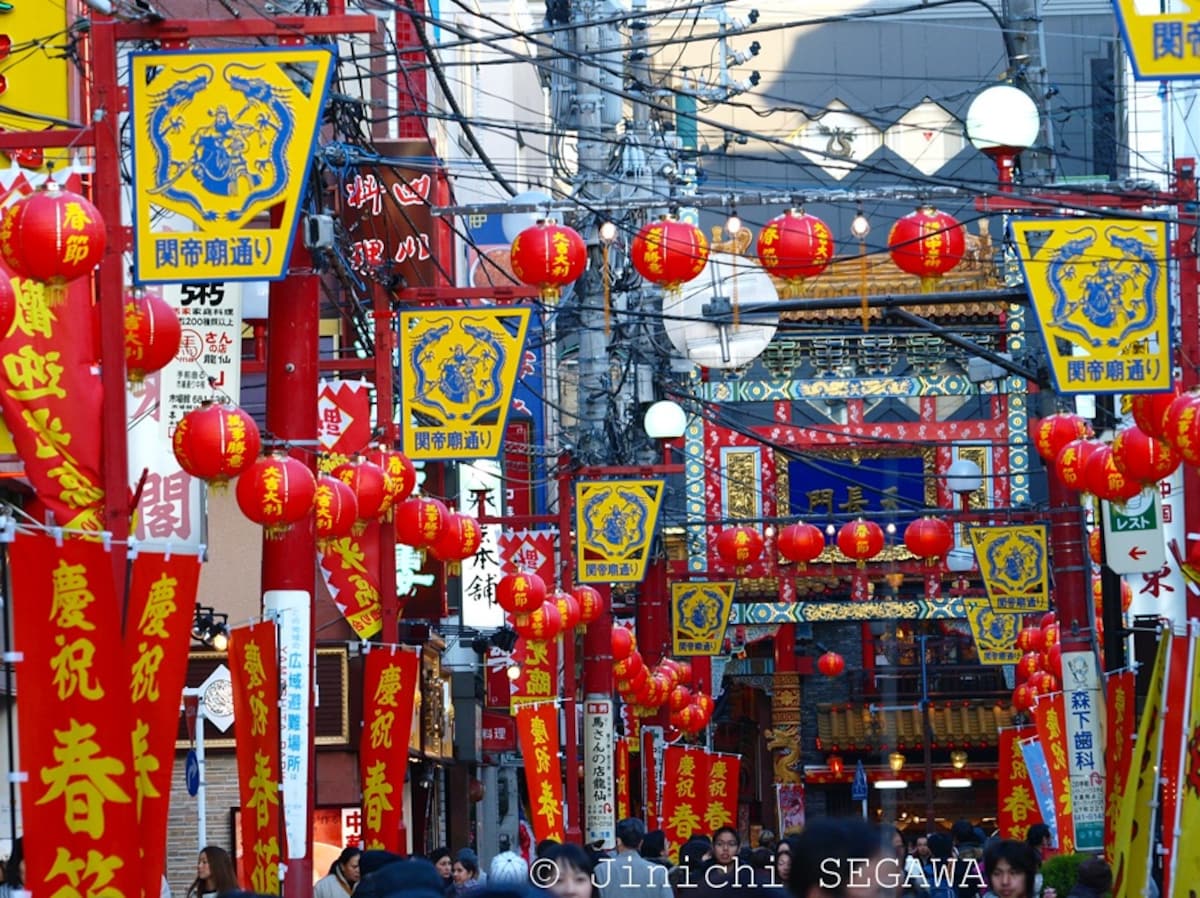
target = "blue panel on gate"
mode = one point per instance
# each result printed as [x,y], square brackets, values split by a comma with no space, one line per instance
[881,488]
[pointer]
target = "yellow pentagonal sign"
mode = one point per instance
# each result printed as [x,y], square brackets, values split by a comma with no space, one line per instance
[459,369]
[1160,45]
[1014,566]
[995,634]
[1099,288]
[615,522]
[219,139]
[699,614]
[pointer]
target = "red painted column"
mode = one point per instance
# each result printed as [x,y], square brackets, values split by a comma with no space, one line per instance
[385,426]
[572,813]
[1071,591]
[1189,353]
[291,418]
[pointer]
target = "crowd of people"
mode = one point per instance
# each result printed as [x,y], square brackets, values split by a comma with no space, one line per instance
[831,858]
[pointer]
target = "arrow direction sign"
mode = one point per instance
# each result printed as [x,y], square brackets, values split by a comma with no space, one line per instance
[1133,534]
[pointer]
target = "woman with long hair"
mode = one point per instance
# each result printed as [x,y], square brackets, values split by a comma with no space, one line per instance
[342,878]
[214,874]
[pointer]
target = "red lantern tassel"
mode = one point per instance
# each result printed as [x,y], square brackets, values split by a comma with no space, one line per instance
[56,294]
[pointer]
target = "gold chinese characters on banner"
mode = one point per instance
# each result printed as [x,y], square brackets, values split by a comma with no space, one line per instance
[615,521]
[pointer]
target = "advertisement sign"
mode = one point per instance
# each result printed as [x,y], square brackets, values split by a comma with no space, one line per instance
[699,616]
[1014,565]
[599,773]
[209,361]
[1133,534]
[1085,742]
[498,732]
[1099,288]
[221,138]
[290,610]
[615,522]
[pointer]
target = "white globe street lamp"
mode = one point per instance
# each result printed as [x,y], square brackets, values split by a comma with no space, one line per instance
[1002,121]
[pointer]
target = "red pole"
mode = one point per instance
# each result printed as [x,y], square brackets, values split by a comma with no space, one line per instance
[1070,575]
[1189,317]
[289,563]
[385,423]
[571,813]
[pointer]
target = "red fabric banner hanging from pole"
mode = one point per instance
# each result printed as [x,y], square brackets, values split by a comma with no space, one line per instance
[390,681]
[162,603]
[537,732]
[1018,809]
[254,671]
[79,799]
[622,776]
[721,800]
[1051,728]
[538,681]
[348,567]
[1119,706]
[684,794]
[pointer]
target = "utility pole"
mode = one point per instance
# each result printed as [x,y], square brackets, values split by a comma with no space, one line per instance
[1023,41]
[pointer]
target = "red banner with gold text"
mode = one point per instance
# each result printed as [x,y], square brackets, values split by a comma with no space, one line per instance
[721,800]
[344,412]
[162,603]
[50,394]
[622,775]
[684,794]
[1051,718]
[1119,707]
[391,677]
[79,798]
[348,566]
[254,671]
[538,680]
[1018,809]
[537,732]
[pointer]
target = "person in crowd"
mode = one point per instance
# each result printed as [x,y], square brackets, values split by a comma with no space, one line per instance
[1010,868]
[508,866]
[629,872]
[574,876]
[968,847]
[725,844]
[654,848]
[14,869]
[546,847]
[783,863]
[940,868]
[413,877]
[466,872]
[214,874]
[695,857]
[343,875]
[444,864]
[1039,839]
[1093,879]
[766,839]
[840,858]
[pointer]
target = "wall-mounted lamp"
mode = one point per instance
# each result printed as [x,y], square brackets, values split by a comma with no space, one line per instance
[896,761]
[211,627]
[958,759]
[954,782]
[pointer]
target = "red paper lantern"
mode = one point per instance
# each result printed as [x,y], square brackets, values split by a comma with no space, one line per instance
[152,334]
[1024,698]
[1052,661]
[860,540]
[53,236]
[929,538]
[684,669]
[540,624]
[369,483]
[801,543]
[1096,545]
[520,593]
[1044,682]
[794,246]
[927,243]
[1053,432]
[627,668]
[1072,460]
[400,476]
[216,442]
[548,256]
[669,252]
[1029,664]
[460,538]
[1049,636]
[8,305]
[591,603]
[334,510]
[1150,409]
[680,698]
[1029,639]
[568,608]
[831,664]
[1143,458]
[276,492]
[1105,481]
[707,704]
[1181,426]
[419,521]
[835,764]
[623,643]
[740,545]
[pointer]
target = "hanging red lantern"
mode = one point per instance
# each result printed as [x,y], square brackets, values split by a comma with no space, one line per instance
[707,704]
[794,246]
[8,305]
[400,476]
[460,538]
[276,492]
[152,334]
[927,243]
[627,668]
[1053,432]
[591,603]
[623,643]
[216,442]
[929,539]
[1105,481]
[1181,426]
[420,521]
[1143,458]
[1050,617]
[1071,463]
[1044,682]
[801,542]
[1096,545]
[1024,698]
[860,540]
[684,669]
[1150,409]
[1029,664]
[53,236]
[680,698]
[1049,636]
[831,664]
[542,623]
[1029,639]
[548,256]
[334,510]
[669,252]
[520,593]
[1052,661]
[740,545]
[835,764]
[369,484]
[568,608]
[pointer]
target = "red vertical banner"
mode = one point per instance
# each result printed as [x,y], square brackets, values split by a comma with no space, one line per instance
[390,681]
[537,733]
[1119,707]
[1018,809]
[622,776]
[721,800]
[1052,733]
[684,793]
[348,566]
[162,603]
[254,671]
[538,681]
[79,800]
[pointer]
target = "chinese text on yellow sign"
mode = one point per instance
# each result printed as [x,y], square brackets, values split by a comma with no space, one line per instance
[700,612]
[1014,566]
[1160,45]
[615,523]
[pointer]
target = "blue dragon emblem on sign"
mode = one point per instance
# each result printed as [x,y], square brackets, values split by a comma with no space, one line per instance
[1104,298]
[615,521]
[1015,563]
[459,366]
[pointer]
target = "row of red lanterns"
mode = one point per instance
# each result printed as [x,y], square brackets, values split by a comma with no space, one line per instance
[927,538]
[668,683]
[793,247]
[1039,671]
[539,615]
